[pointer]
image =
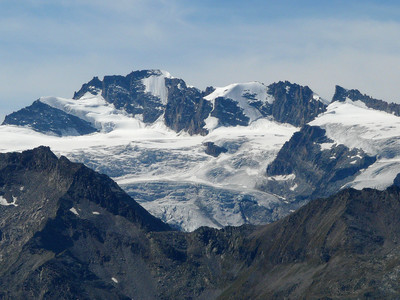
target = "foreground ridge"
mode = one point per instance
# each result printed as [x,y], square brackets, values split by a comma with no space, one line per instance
[68,232]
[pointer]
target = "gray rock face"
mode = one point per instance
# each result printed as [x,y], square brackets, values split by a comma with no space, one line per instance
[186,108]
[128,93]
[229,113]
[46,119]
[214,150]
[303,169]
[152,94]
[341,94]
[294,104]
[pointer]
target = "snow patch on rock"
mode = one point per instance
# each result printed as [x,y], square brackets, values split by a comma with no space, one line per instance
[155,85]
[4,202]
[243,94]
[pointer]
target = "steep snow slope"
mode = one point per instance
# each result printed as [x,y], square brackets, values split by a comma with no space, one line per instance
[94,109]
[244,94]
[354,125]
[155,85]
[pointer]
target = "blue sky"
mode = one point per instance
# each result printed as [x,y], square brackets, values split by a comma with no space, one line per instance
[51,47]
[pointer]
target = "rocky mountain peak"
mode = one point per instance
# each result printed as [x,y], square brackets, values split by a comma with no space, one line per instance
[148,95]
[341,94]
[94,87]
[295,104]
[43,118]
[74,180]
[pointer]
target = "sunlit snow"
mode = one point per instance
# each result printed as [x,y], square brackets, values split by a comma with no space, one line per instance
[242,93]
[133,153]
[4,202]
[155,85]
[74,211]
[354,125]
[114,279]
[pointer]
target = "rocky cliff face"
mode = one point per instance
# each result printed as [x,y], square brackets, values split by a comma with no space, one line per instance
[310,165]
[186,108]
[129,93]
[152,93]
[295,104]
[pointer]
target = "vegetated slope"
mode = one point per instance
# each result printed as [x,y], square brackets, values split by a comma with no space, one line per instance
[68,232]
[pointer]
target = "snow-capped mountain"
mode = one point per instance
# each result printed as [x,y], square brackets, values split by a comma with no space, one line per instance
[154,96]
[244,153]
[349,145]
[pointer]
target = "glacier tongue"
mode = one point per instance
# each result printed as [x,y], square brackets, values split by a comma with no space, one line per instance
[157,165]
[189,205]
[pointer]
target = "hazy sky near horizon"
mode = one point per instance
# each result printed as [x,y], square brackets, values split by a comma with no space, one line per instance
[51,47]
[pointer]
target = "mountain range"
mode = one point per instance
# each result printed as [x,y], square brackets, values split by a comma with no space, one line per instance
[246,153]
[67,232]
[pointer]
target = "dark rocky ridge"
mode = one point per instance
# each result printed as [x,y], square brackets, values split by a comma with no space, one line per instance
[341,94]
[46,119]
[75,234]
[127,93]
[186,108]
[183,109]
[343,247]
[315,172]
[228,113]
[42,225]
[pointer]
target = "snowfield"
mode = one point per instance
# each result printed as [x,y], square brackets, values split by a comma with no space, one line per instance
[183,185]
[354,125]
[170,173]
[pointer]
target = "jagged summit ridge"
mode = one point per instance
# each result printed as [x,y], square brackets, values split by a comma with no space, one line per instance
[206,156]
[151,96]
[342,94]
